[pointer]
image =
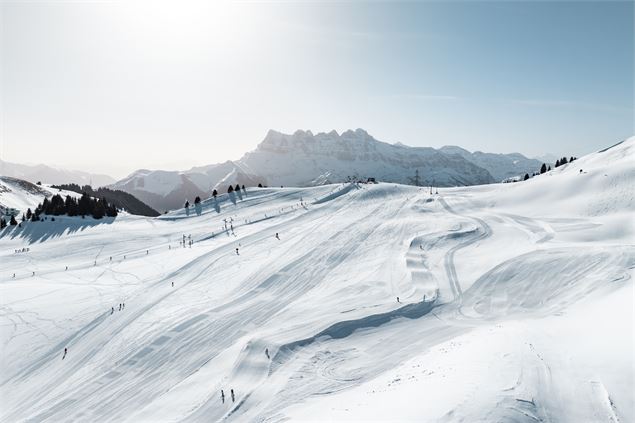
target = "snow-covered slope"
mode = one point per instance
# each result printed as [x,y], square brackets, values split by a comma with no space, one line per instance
[51,175]
[515,304]
[22,195]
[500,166]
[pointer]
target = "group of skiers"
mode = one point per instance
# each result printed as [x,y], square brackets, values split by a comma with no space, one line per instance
[187,241]
[222,395]
[23,250]
[121,307]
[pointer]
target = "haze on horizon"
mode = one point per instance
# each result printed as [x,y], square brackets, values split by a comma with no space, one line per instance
[110,87]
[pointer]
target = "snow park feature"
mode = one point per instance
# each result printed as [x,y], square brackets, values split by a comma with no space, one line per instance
[515,303]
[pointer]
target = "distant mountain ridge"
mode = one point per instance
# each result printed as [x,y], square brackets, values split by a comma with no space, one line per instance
[307,159]
[500,166]
[51,175]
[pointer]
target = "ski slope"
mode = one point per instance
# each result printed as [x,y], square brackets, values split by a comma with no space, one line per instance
[516,304]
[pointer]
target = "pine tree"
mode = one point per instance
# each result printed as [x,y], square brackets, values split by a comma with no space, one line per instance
[244,188]
[526,177]
[237,188]
[214,193]
[259,185]
[230,189]
[13,222]
[187,204]
[29,213]
[563,161]
[23,217]
[557,162]
[197,200]
[3,223]
[548,168]
[99,210]
[543,168]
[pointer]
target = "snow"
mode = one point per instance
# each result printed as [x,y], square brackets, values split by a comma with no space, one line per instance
[516,304]
[22,195]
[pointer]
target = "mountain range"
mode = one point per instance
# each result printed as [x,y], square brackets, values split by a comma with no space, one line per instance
[53,175]
[307,159]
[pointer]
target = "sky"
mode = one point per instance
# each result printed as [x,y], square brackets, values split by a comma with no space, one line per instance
[115,86]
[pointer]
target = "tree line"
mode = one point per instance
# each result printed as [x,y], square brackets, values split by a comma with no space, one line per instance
[85,206]
[120,199]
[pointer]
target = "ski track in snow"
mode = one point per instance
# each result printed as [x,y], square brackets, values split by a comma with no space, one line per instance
[483,291]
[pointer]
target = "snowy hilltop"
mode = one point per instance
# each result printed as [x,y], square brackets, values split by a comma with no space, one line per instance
[349,301]
[303,159]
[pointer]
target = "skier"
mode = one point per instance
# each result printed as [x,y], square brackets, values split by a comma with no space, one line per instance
[110,258]
[237,252]
[232,395]
[123,306]
[147,251]
[397,299]
[66,267]
[119,306]
[222,396]
[267,352]
[65,352]
[278,237]
[112,310]
[172,284]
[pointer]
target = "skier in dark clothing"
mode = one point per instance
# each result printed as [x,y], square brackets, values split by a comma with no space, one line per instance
[277,237]
[172,284]
[65,352]
[267,352]
[222,396]
[112,310]
[232,395]
[237,252]
[397,299]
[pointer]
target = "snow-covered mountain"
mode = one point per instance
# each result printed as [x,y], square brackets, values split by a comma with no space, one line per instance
[51,175]
[490,303]
[500,166]
[304,159]
[167,190]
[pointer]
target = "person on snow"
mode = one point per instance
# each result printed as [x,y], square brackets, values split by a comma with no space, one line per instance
[222,396]
[119,306]
[237,252]
[232,395]
[397,299]
[65,352]
[277,236]
[172,284]
[112,310]
[267,352]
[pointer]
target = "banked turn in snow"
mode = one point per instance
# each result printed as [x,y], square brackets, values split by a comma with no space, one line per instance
[515,305]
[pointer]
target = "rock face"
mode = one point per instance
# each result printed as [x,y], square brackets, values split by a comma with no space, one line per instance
[305,159]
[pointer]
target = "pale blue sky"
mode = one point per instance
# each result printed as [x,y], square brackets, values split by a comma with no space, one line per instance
[115,86]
